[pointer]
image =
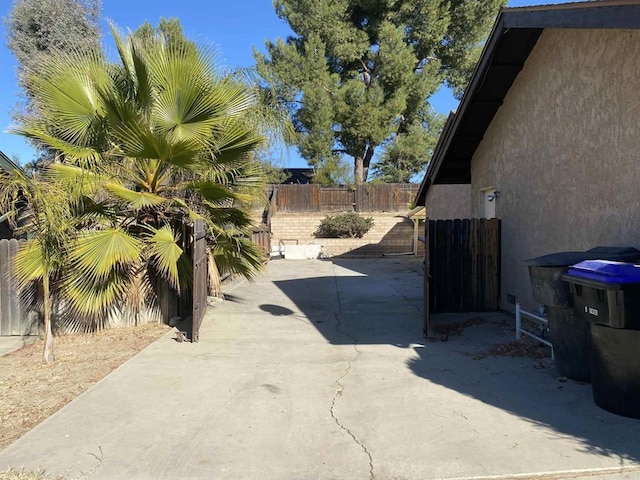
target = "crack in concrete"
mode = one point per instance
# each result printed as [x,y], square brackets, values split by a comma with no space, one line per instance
[82,475]
[345,428]
[341,386]
[409,301]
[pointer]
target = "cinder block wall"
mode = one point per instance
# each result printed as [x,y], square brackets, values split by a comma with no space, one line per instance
[391,233]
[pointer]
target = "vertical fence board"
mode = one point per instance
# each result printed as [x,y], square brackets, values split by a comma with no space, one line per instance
[14,319]
[473,257]
[482,263]
[448,298]
[492,293]
[298,198]
[200,278]
[5,291]
[441,260]
[464,265]
[465,270]
[335,199]
[435,263]
[261,236]
[456,267]
[18,318]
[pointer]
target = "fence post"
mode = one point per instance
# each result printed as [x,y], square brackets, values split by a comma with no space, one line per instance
[518,322]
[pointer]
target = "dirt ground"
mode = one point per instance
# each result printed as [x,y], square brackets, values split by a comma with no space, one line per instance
[31,391]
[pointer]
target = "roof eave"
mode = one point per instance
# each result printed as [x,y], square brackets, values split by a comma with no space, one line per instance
[531,21]
[7,164]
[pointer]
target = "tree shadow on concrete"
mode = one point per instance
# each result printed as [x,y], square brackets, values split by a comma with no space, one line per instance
[529,388]
[375,302]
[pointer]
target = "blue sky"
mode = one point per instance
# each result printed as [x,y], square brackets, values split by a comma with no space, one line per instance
[233,27]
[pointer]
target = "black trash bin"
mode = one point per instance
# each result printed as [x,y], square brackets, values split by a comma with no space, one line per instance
[569,332]
[607,296]
[615,369]
[569,335]
[545,274]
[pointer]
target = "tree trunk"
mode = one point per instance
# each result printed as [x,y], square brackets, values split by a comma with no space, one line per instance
[366,162]
[47,354]
[358,171]
[361,166]
[215,284]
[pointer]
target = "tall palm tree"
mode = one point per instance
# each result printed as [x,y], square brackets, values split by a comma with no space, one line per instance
[152,140]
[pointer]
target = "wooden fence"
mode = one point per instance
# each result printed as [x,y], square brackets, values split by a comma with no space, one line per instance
[14,319]
[261,236]
[383,197]
[463,264]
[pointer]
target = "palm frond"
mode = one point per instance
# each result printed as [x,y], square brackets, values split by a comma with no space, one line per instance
[79,182]
[97,253]
[87,156]
[238,255]
[212,191]
[89,297]
[228,217]
[66,89]
[123,50]
[29,263]
[137,200]
[165,254]
[144,95]
[232,141]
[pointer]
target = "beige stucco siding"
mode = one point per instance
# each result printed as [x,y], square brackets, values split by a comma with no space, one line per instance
[444,202]
[564,151]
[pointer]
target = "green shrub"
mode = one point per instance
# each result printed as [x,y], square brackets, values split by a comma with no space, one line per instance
[344,225]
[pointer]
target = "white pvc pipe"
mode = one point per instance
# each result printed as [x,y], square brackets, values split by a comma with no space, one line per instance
[520,331]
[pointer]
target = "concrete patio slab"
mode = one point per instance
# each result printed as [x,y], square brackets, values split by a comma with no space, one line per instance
[318,370]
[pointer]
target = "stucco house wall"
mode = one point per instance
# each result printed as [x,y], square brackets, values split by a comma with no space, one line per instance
[444,202]
[564,151]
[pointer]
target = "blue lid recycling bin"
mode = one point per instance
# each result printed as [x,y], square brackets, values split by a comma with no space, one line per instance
[606,292]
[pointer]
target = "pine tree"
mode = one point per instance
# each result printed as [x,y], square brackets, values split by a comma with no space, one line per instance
[357,75]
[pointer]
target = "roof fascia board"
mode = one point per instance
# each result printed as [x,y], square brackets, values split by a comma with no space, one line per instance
[581,4]
[596,16]
[7,164]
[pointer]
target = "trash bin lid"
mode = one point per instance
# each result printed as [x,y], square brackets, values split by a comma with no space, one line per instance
[606,271]
[558,259]
[566,259]
[617,254]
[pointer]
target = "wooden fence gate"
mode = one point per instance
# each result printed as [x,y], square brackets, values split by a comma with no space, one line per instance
[462,266]
[198,295]
[192,300]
